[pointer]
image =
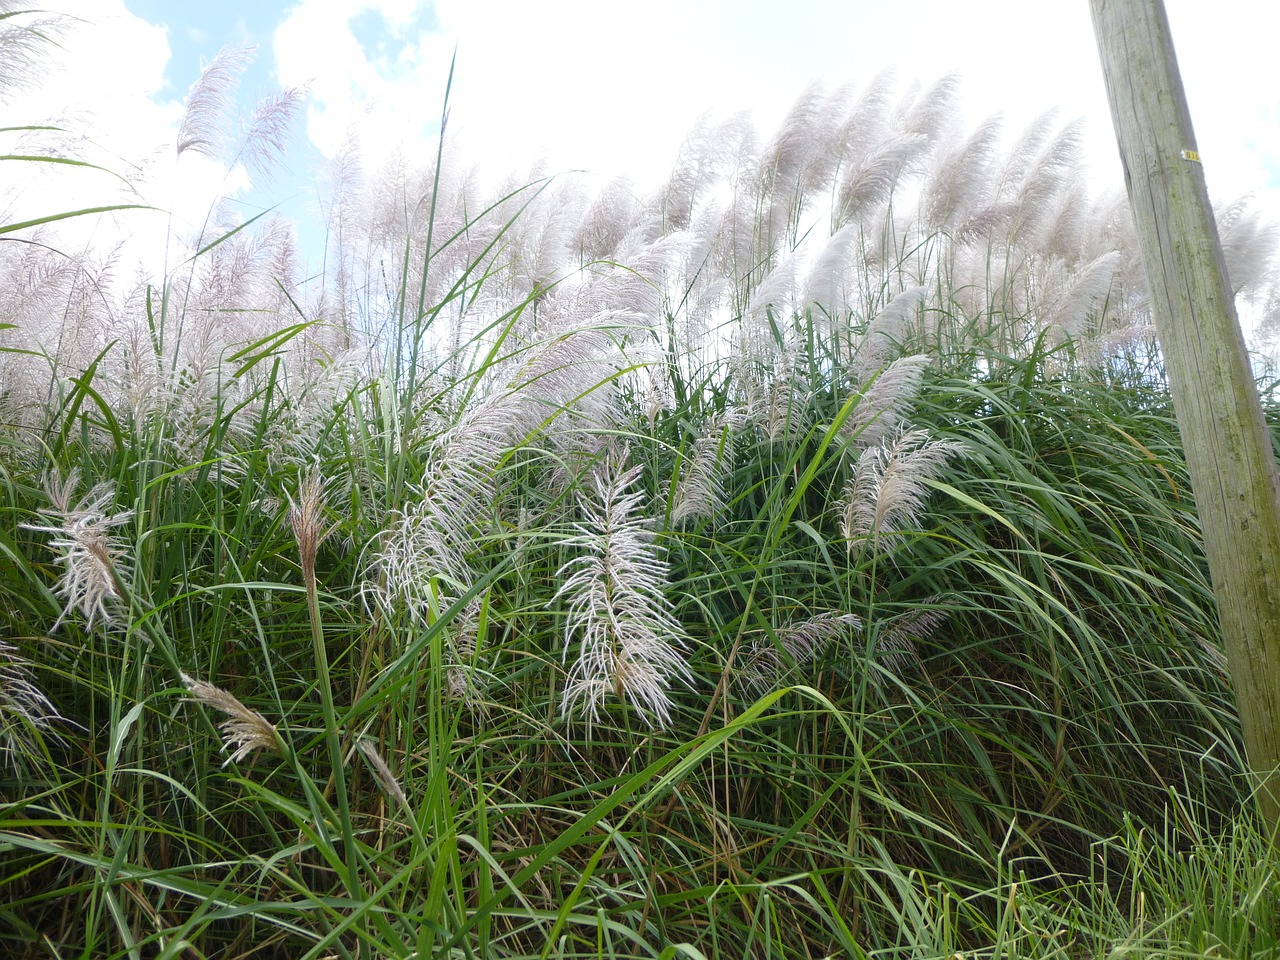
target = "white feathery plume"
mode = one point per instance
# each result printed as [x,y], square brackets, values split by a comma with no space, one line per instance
[270,130]
[786,407]
[694,171]
[896,640]
[630,285]
[885,401]
[734,251]
[707,289]
[885,496]
[1020,159]
[1129,308]
[210,102]
[540,246]
[607,222]
[563,368]
[869,119]
[1268,317]
[569,371]
[60,315]
[772,397]
[699,491]
[806,639]
[627,638]
[961,180]
[765,664]
[893,148]
[244,730]
[931,113]
[827,279]
[142,386]
[1001,219]
[868,185]
[797,161]
[1077,297]
[1065,224]
[776,292]
[655,387]
[1248,245]
[1052,168]
[25,712]
[886,332]
[566,391]
[460,671]
[382,771]
[428,540]
[24,47]
[829,112]
[93,564]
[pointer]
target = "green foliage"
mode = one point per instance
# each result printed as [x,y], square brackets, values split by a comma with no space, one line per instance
[1033,665]
[952,677]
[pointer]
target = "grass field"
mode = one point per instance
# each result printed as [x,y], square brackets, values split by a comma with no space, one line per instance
[798,562]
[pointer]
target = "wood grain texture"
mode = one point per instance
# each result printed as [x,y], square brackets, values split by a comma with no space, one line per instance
[1229,452]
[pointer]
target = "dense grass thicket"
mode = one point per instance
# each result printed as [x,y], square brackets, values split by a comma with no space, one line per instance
[797,562]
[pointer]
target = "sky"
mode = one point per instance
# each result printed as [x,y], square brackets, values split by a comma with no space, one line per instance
[613,88]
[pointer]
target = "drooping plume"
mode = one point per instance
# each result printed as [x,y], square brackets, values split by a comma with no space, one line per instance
[885,497]
[94,568]
[26,714]
[244,730]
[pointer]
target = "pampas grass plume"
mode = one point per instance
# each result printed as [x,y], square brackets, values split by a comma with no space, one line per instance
[210,102]
[886,493]
[382,771]
[628,637]
[802,642]
[93,568]
[25,711]
[244,730]
[885,400]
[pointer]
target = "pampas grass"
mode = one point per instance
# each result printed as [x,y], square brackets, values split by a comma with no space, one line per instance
[619,628]
[767,663]
[244,730]
[699,491]
[885,497]
[27,716]
[884,401]
[93,563]
[795,562]
[25,35]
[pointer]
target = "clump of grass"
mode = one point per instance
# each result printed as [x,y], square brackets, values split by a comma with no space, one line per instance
[888,547]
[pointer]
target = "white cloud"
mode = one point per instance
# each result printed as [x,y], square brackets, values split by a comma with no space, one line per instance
[576,83]
[613,88]
[112,108]
[391,103]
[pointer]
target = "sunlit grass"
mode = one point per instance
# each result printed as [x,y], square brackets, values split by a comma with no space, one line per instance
[542,590]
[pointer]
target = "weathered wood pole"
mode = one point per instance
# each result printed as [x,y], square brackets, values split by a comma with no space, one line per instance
[1229,454]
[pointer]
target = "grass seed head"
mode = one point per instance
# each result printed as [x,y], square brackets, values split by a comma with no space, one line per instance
[93,566]
[382,771]
[244,730]
[306,517]
[25,712]
[628,637]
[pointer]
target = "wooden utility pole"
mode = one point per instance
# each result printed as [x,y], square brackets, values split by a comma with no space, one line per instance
[1229,454]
